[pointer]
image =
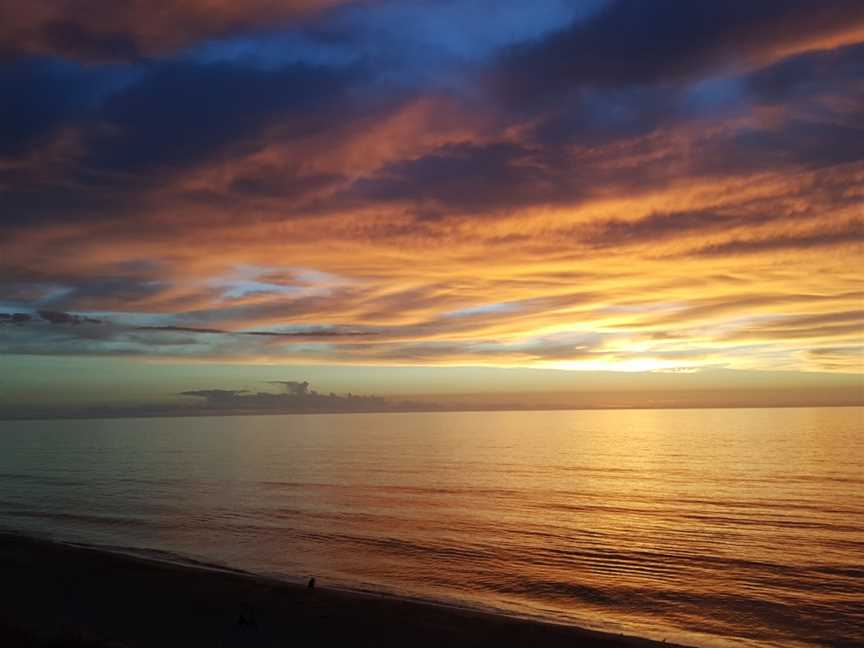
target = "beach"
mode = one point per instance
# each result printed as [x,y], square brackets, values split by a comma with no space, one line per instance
[59,594]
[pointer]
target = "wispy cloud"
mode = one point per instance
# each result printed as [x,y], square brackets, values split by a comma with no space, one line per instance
[613,186]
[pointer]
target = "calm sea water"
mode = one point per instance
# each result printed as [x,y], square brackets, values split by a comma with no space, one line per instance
[713,527]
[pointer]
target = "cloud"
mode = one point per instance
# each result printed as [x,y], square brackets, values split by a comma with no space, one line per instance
[805,76]
[15,318]
[52,317]
[851,233]
[659,226]
[468,178]
[299,398]
[40,96]
[57,317]
[839,358]
[637,43]
[215,396]
[624,184]
[293,387]
[104,30]
[299,333]
[834,325]
[177,112]
[183,329]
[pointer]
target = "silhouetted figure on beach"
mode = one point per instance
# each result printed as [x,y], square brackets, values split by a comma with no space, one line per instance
[311,584]
[247,621]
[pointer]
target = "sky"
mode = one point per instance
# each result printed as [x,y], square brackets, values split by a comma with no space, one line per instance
[545,203]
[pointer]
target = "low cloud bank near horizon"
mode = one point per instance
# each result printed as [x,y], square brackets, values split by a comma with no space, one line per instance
[486,389]
[297,397]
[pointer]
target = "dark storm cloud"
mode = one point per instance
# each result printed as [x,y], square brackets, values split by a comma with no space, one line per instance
[485,179]
[803,143]
[133,130]
[31,201]
[807,75]
[162,113]
[641,43]
[467,177]
[140,125]
[123,30]
[604,115]
[179,113]
[38,96]
[73,38]
[564,155]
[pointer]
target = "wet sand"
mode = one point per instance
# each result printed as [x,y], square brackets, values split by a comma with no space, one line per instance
[56,594]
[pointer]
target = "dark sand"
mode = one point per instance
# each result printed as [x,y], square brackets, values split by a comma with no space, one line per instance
[63,595]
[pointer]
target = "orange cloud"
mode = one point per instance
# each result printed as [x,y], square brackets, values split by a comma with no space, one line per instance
[673,228]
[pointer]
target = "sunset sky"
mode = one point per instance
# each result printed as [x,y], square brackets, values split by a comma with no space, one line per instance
[545,202]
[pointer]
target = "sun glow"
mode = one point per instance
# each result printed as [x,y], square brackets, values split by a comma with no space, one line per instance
[623,364]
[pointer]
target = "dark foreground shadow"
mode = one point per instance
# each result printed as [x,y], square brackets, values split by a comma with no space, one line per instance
[61,596]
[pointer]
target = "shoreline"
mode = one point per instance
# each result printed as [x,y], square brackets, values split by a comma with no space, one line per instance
[102,597]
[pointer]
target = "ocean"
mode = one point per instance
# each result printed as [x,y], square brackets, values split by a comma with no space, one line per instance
[725,527]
